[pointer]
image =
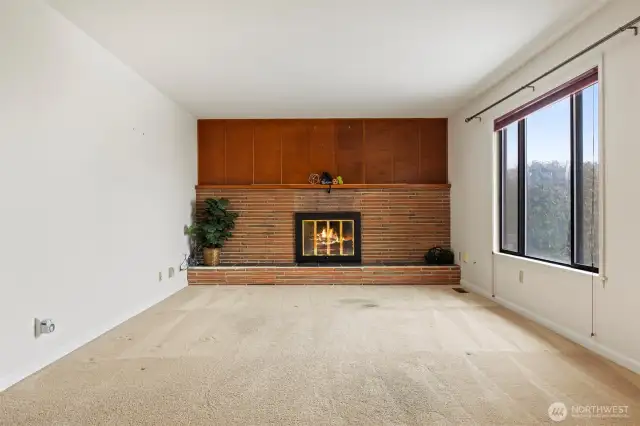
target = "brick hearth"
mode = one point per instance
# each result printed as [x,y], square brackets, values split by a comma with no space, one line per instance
[399,224]
[304,275]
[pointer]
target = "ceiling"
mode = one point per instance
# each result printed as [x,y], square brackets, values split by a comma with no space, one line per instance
[323,58]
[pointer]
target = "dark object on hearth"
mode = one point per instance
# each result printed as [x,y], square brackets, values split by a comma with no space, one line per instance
[439,256]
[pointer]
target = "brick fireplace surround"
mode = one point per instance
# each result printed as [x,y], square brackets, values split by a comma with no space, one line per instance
[399,224]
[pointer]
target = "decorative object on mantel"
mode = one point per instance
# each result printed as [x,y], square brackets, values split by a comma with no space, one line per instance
[439,256]
[326,179]
[314,178]
[213,229]
[340,182]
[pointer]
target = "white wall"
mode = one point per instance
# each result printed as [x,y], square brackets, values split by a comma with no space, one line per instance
[558,297]
[97,172]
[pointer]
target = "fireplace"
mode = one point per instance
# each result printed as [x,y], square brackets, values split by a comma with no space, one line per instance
[328,237]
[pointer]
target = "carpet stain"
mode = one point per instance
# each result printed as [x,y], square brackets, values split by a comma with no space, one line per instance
[353,301]
[250,325]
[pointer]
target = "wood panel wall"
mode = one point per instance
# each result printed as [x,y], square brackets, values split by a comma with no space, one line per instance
[287,151]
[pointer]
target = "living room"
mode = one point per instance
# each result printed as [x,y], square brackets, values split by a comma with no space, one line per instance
[319,213]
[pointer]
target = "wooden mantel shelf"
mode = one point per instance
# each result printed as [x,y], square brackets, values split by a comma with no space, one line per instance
[344,186]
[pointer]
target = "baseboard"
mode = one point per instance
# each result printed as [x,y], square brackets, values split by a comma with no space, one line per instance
[476,289]
[582,340]
[614,356]
[65,349]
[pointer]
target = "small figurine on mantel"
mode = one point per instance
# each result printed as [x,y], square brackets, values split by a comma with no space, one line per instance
[339,179]
[326,179]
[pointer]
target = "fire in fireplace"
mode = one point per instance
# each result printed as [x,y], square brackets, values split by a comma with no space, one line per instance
[328,237]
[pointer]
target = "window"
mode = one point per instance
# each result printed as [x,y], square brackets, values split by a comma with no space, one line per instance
[587,178]
[549,176]
[510,188]
[548,183]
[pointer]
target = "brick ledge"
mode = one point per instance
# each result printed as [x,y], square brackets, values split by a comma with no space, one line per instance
[268,266]
[305,275]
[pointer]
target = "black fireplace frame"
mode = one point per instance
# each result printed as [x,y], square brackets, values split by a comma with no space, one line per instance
[357,230]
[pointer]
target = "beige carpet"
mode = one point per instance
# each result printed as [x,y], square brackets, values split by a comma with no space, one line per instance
[321,355]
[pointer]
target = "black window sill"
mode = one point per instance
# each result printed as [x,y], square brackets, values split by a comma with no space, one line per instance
[575,266]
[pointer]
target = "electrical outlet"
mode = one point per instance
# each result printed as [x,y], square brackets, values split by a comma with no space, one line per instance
[160,276]
[521,277]
[172,272]
[184,265]
[465,257]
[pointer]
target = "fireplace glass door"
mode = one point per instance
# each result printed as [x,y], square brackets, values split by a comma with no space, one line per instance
[328,237]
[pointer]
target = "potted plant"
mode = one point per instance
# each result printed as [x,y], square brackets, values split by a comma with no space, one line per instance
[212,228]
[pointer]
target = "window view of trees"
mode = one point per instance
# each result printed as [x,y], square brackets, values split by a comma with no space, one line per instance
[547,188]
[589,253]
[548,211]
[548,183]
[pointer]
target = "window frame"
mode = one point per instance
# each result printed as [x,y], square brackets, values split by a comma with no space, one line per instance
[572,90]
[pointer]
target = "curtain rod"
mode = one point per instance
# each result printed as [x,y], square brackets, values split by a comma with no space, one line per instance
[628,26]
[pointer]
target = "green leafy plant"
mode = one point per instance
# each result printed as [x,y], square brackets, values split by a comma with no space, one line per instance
[213,227]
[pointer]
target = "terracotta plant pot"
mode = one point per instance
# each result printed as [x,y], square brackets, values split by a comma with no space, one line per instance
[211,256]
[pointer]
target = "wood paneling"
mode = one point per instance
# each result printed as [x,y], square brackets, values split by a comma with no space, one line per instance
[322,155]
[267,154]
[433,151]
[375,151]
[239,152]
[211,152]
[350,150]
[295,152]
[379,150]
[406,152]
